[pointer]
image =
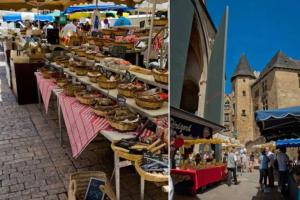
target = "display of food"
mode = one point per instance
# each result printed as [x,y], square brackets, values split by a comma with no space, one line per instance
[141,32]
[91,54]
[123,119]
[81,70]
[103,105]
[86,97]
[129,89]
[71,89]
[80,52]
[108,83]
[161,75]
[99,57]
[117,63]
[93,76]
[150,99]
[141,70]
[61,82]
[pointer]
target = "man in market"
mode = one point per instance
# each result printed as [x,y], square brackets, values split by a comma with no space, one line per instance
[263,169]
[70,28]
[231,167]
[283,169]
[271,157]
[122,21]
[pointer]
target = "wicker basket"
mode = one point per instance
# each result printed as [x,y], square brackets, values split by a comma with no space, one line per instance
[160,22]
[70,90]
[85,100]
[79,182]
[153,177]
[107,42]
[121,126]
[104,112]
[46,74]
[141,33]
[81,71]
[81,53]
[107,31]
[126,92]
[148,104]
[160,77]
[120,32]
[93,76]
[62,82]
[128,45]
[107,84]
[124,154]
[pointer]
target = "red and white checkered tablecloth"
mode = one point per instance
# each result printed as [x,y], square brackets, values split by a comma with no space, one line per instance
[82,125]
[46,86]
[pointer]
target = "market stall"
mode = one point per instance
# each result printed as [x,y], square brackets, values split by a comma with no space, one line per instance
[196,154]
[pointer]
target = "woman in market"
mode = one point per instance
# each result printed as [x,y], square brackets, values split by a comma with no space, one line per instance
[263,169]
[231,167]
[251,162]
[283,169]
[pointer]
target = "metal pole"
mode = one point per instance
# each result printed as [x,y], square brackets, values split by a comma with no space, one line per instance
[150,34]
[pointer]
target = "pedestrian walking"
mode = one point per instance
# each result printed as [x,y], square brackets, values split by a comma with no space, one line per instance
[263,169]
[231,167]
[244,163]
[283,170]
[251,162]
[271,158]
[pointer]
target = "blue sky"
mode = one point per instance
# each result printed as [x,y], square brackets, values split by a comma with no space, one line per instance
[258,28]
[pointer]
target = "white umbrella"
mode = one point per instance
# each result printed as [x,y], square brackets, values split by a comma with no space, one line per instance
[27,16]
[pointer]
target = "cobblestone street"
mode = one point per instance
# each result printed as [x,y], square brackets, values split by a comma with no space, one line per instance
[247,189]
[33,165]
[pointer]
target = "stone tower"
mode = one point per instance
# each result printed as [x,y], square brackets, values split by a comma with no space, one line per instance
[241,81]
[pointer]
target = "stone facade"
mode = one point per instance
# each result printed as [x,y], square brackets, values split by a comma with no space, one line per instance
[277,86]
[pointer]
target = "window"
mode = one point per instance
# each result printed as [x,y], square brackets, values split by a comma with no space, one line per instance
[256,107]
[264,86]
[244,80]
[226,117]
[233,107]
[256,94]
[227,105]
[265,104]
[243,112]
[299,80]
[244,93]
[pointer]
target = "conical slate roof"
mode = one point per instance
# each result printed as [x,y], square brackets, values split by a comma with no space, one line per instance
[280,60]
[243,68]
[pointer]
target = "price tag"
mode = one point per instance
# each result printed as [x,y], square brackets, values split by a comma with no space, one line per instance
[129,77]
[101,69]
[121,100]
[108,74]
[88,88]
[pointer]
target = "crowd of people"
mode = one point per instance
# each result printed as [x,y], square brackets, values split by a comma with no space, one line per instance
[269,163]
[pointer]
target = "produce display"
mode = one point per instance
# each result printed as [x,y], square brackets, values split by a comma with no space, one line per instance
[108,83]
[102,106]
[150,99]
[161,75]
[129,89]
[86,97]
[123,119]
[71,89]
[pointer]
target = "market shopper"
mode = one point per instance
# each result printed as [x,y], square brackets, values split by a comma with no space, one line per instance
[271,158]
[122,21]
[70,28]
[251,162]
[283,170]
[263,169]
[231,167]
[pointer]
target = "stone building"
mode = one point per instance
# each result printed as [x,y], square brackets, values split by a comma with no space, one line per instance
[228,114]
[277,86]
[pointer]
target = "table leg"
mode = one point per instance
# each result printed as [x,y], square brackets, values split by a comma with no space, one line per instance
[117,176]
[142,188]
[39,95]
[59,122]
[137,59]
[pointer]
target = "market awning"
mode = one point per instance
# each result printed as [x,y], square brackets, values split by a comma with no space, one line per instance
[279,123]
[12,18]
[192,126]
[44,18]
[101,7]
[41,4]
[288,143]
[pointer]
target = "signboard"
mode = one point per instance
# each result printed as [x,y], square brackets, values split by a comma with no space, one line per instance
[93,191]
[189,129]
[129,77]
[121,100]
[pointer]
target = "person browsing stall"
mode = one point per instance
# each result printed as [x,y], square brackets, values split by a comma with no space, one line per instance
[122,21]
[70,27]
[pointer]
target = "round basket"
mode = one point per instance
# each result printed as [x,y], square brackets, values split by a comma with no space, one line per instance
[160,77]
[124,154]
[79,182]
[153,177]
[80,53]
[107,84]
[126,92]
[128,45]
[141,33]
[46,74]
[104,112]
[61,83]
[120,32]
[148,104]
[81,71]
[121,126]
[107,42]
[160,22]
[70,90]
[84,100]
[106,31]
[91,56]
